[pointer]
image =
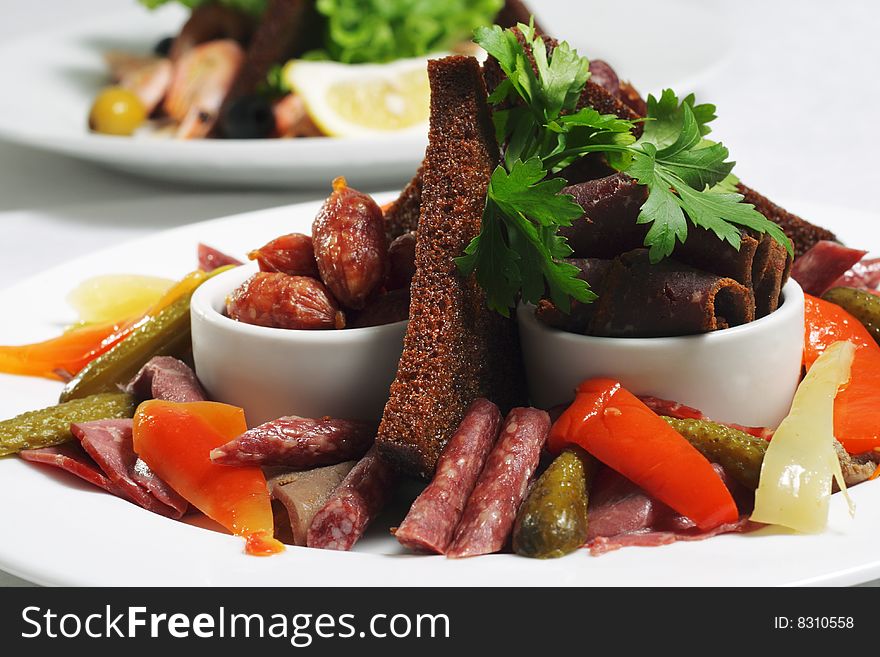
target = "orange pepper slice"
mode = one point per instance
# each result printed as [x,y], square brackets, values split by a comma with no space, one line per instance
[624,434]
[857,406]
[175,441]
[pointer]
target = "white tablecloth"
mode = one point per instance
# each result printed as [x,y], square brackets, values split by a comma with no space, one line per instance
[796,99]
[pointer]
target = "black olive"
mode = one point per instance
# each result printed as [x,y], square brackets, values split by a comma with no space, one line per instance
[163,48]
[248,117]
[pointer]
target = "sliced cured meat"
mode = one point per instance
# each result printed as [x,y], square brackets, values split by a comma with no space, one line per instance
[580,316]
[109,443]
[455,349]
[304,493]
[211,259]
[502,486]
[433,517]
[825,262]
[71,458]
[353,505]
[622,515]
[514,12]
[387,308]
[167,379]
[864,275]
[298,442]
[641,299]
[603,544]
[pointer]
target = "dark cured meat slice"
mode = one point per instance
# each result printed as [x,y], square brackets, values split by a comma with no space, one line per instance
[211,259]
[578,320]
[168,379]
[71,458]
[286,30]
[455,349]
[109,443]
[608,228]
[641,299]
[514,12]
[433,517]
[603,544]
[304,493]
[491,509]
[825,262]
[298,442]
[353,505]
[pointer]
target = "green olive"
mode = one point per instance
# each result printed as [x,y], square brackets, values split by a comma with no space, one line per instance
[117,111]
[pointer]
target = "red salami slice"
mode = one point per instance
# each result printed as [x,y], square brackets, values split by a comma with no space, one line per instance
[824,263]
[353,505]
[491,509]
[71,458]
[864,275]
[299,443]
[433,517]
[109,443]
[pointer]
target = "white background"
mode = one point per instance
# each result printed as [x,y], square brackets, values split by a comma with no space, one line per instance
[797,100]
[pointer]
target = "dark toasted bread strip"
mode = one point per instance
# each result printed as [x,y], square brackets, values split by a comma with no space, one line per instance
[455,350]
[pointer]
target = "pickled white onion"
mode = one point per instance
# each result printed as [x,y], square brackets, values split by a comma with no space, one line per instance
[795,485]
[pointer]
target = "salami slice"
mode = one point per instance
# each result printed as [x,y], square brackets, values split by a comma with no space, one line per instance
[353,505]
[491,509]
[433,517]
[299,443]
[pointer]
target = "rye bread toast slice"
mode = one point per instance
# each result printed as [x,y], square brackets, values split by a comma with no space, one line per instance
[455,349]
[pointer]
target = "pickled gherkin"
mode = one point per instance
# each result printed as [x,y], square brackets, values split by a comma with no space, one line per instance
[739,453]
[862,305]
[168,333]
[51,426]
[553,520]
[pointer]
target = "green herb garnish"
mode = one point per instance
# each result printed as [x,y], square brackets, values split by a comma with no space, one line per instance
[518,252]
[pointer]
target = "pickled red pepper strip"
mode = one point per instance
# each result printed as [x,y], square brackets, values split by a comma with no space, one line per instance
[612,424]
[175,440]
[72,351]
[857,406]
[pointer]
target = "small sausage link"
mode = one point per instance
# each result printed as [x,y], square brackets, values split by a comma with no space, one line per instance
[291,254]
[282,301]
[350,245]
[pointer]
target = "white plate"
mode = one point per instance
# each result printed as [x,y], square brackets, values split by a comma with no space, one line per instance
[59,530]
[51,79]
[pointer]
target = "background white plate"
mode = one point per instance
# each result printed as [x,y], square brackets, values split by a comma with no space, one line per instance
[50,80]
[59,530]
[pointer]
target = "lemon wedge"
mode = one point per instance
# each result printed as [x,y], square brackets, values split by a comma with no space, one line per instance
[357,100]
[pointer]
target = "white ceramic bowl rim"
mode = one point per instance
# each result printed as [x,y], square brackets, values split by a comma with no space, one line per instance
[792,302]
[210,298]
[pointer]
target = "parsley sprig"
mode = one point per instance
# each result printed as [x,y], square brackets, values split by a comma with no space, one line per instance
[519,252]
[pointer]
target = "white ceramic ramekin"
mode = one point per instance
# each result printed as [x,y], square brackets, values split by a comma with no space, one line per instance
[275,372]
[747,374]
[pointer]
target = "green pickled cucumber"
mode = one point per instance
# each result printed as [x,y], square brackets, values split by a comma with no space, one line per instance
[862,305]
[51,426]
[166,334]
[553,520]
[739,453]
